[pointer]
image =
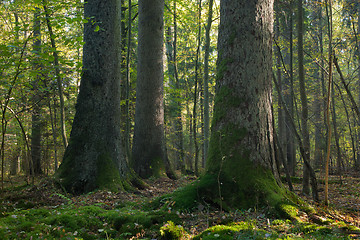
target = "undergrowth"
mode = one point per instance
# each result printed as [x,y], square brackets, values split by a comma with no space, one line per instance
[158,218]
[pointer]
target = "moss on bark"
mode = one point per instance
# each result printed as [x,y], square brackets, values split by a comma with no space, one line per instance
[89,172]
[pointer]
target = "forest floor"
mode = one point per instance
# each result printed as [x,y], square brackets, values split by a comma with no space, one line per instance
[43,211]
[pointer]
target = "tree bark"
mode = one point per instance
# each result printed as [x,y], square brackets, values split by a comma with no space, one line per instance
[149,157]
[241,170]
[336,134]
[303,97]
[127,86]
[196,146]
[36,127]
[175,107]
[289,100]
[206,81]
[94,157]
[318,102]
[57,75]
[281,130]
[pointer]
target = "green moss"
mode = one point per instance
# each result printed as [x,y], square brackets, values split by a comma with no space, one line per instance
[24,204]
[170,231]
[222,67]
[288,211]
[108,176]
[157,168]
[134,221]
[308,228]
[233,171]
[346,227]
[224,99]
[254,186]
[239,230]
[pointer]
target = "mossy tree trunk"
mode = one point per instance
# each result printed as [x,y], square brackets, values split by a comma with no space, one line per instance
[241,162]
[94,157]
[149,157]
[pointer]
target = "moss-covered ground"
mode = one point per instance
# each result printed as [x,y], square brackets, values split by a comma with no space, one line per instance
[44,211]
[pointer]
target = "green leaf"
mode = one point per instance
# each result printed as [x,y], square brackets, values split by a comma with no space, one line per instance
[97,28]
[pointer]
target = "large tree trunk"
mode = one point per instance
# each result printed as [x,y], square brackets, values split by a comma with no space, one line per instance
[148,153]
[241,166]
[94,157]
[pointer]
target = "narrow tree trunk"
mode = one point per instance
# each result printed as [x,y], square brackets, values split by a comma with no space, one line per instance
[53,128]
[318,102]
[329,16]
[127,86]
[57,75]
[349,124]
[36,127]
[281,116]
[206,80]
[196,160]
[179,118]
[15,163]
[175,107]
[289,100]
[357,163]
[336,135]
[303,97]
[302,148]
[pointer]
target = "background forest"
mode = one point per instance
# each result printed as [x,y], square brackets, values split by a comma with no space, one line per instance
[41,53]
[316,79]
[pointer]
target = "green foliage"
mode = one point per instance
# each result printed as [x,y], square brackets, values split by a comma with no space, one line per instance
[172,232]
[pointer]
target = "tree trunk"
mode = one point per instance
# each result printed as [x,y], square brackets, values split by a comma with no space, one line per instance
[53,128]
[36,127]
[289,100]
[196,160]
[94,157]
[349,124]
[57,75]
[281,116]
[149,157]
[336,134]
[175,107]
[127,86]
[303,97]
[318,102]
[241,169]
[357,163]
[206,81]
